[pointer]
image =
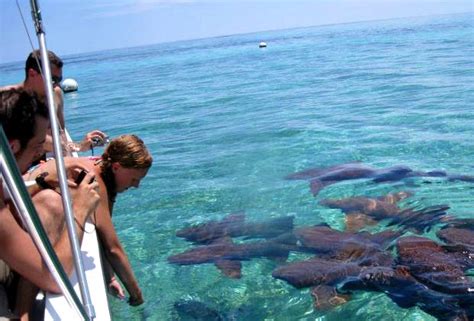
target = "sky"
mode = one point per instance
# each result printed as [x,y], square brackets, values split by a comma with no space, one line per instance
[77,26]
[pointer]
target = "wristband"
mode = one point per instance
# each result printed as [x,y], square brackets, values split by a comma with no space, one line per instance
[40,180]
[30,183]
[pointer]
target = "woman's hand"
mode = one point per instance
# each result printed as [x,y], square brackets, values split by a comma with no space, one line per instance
[116,289]
[136,300]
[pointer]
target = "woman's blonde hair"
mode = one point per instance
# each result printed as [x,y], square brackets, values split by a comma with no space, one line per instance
[127,150]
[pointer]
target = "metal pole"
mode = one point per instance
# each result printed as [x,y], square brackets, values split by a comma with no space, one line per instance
[22,201]
[69,215]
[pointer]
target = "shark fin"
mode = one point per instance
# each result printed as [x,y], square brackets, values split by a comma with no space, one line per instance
[316,185]
[233,218]
[230,268]
[356,221]
[326,297]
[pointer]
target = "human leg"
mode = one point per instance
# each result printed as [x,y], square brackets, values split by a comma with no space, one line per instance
[49,207]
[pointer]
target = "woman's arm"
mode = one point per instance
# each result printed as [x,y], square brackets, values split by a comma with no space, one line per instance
[114,251]
[114,286]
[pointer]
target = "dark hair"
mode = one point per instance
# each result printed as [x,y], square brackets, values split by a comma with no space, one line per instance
[18,110]
[34,61]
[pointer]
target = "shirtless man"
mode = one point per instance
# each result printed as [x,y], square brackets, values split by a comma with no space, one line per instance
[34,83]
[24,120]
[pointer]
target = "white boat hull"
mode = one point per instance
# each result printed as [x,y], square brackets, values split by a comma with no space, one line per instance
[57,308]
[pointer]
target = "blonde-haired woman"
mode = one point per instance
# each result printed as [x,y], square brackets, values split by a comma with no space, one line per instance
[124,163]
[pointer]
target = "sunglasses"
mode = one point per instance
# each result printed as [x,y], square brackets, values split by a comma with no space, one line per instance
[56,80]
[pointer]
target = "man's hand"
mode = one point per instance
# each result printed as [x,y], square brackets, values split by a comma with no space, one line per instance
[85,198]
[73,168]
[88,141]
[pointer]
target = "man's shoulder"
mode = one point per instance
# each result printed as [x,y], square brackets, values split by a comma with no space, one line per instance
[10,87]
[85,161]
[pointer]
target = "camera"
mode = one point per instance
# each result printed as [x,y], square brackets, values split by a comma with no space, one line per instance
[99,141]
[81,176]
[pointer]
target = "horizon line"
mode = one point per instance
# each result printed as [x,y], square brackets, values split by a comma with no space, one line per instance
[247,33]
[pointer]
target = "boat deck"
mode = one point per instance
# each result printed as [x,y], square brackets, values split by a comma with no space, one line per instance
[57,307]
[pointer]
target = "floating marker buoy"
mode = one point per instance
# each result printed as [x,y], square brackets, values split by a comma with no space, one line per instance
[262,45]
[68,85]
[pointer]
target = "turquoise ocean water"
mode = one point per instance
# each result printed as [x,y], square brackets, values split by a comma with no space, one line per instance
[226,121]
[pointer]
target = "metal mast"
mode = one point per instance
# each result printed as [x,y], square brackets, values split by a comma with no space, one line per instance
[36,13]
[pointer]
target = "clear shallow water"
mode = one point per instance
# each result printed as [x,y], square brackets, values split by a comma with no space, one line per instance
[226,121]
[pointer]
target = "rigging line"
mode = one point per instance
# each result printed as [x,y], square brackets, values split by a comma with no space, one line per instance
[28,34]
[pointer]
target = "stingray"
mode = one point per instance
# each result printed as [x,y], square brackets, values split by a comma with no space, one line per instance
[322,177]
[437,266]
[234,225]
[227,255]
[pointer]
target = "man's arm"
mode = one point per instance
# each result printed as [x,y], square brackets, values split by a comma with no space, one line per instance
[18,250]
[59,105]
